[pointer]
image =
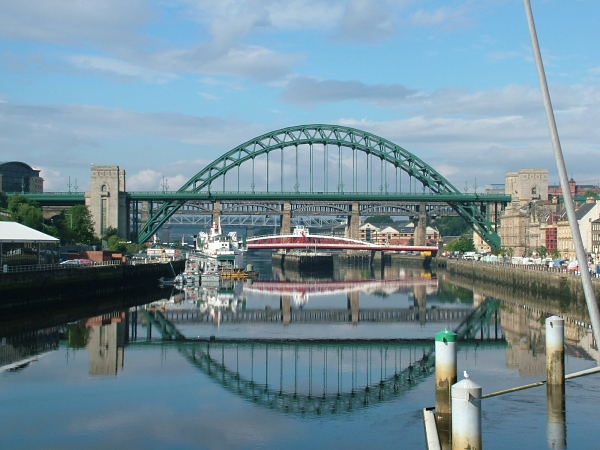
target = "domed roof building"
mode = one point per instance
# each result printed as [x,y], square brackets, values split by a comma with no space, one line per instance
[17,176]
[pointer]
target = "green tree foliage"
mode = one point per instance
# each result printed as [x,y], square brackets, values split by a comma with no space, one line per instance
[542,251]
[452,226]
[378,220]
[110,231]
[3,200]
[26,212]
[79,219]
[115,244]
[555,254]
[462,244]
[590,193]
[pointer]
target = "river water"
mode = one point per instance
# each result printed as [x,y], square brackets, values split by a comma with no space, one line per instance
[290,360]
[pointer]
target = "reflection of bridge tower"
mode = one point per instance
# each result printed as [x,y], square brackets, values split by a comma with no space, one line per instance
[106,200]
[420,236]
[284,304]
[420,302]
[353,305]
[107,338]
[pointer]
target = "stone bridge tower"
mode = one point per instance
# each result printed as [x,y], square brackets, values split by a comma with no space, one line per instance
[107,201]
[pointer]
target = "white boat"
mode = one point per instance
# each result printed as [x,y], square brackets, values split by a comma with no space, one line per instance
[226,249]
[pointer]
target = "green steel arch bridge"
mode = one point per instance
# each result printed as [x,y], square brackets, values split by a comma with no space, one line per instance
[309,170]
[334,169]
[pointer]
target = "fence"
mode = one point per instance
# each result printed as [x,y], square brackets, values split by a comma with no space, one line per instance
[42,267]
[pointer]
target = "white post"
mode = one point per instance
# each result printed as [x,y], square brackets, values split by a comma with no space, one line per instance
[555,350]
[445,377]
[466,415]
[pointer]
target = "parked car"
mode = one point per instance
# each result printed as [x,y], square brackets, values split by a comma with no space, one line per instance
[86,262]
[70,262]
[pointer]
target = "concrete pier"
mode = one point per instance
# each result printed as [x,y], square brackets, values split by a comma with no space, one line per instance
[308,262]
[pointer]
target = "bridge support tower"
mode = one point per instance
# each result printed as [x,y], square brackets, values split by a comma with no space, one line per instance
[420,236]
[286,218]
[106,200]
[353,221]
[216,211]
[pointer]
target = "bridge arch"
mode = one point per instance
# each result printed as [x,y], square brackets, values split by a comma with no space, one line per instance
[337,135]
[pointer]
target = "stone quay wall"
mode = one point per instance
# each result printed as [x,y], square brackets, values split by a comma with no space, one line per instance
[15,286]
[535,283]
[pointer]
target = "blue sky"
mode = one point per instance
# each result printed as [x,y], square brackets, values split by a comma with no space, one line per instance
[162,88]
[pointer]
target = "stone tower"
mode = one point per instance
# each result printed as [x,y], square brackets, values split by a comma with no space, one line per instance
[527,184]
[106,200]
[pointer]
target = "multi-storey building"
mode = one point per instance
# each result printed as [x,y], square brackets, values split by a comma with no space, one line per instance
[20,177]
[400,233]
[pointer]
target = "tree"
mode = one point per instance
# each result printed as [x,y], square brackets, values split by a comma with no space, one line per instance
[26,212]
[462,244]
[377,220]
[81,225]
[542,251]
[590,193]
[114,244]
[110,231]
[555,254]
[3,200]
[452,226]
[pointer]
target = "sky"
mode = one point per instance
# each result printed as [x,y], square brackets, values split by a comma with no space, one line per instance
[161,88]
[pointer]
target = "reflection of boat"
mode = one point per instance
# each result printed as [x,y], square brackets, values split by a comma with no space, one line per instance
[177,281]
[226,249]
[208,299]
[210,278]
[238,274]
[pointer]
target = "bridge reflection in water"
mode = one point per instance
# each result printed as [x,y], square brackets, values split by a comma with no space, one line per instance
[229,303]
[316,377]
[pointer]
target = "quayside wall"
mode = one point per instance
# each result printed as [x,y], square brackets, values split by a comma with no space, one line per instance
[18,288]
[304,261]
[521,284]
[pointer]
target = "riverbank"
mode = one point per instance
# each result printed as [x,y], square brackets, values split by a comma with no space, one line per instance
[24,288]
[540,289]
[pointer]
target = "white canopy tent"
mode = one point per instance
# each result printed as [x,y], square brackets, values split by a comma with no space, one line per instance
[16,232]
[21,245]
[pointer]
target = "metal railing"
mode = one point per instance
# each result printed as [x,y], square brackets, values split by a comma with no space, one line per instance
[44,267]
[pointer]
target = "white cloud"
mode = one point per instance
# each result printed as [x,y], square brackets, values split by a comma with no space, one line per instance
[119,68]
[208,96]
[108,23]
[365,20]
[305,91]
